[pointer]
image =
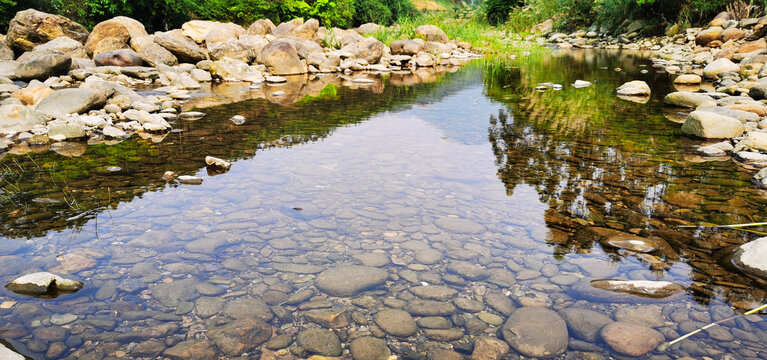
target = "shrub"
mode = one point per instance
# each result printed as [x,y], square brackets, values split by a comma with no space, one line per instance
[497,11]
[384,12]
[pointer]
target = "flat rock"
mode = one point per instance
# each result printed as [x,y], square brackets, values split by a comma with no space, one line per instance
[457,225]
[585,324]
[536,332]
[644,288]
[320,342]
[192,350]
[434,292]
[349,280]
[41,283]
[396,322]
[369,348]
[468,271]
[631,339]
[240,336]
[429,308]
[71,101]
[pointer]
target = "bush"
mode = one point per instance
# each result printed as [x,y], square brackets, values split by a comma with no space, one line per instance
[384,12]
[497,11]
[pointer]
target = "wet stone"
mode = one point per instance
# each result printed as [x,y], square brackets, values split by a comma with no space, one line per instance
[248,308]
[445,335]
[299,297]
[434,292]
[320,342]
[191,350]
[369,348]
[501,303]
[279,342]
[349,280]
[489,348]
[583,323]
[373,259]
[631,339]
[149,348]
[172,293]
[649,315]
[491,319]
[428,256]
[208,306]
[329,318]
[240,336]
[396,322]
[433,322]
[443,354]
[429,308]
[468,271]
[536,332]
[468,305]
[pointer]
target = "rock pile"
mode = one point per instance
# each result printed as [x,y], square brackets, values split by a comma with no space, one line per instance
[59,82]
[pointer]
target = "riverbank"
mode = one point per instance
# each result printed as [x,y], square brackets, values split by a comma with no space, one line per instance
[60,82]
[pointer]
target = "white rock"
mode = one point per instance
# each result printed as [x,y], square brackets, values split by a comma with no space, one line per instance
[191,115]
[43,282]
[8,354]
[580,84]
[218,163]
[634,88]
[190,180]
[709,125]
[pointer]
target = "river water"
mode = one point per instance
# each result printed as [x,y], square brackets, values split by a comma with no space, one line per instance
[468,179]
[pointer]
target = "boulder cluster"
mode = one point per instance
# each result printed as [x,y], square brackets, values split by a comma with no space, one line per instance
[60,82]
[720,76]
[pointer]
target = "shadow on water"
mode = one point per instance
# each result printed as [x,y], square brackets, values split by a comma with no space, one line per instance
[605,163]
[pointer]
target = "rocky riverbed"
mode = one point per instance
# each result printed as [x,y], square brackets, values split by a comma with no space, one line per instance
[59,82]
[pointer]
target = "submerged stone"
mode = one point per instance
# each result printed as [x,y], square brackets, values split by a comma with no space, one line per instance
[645,288]
[349,280]
[536,332]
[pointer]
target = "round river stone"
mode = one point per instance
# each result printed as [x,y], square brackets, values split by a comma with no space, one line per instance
[631,339]
[396,322]
[536,332]
[349,280]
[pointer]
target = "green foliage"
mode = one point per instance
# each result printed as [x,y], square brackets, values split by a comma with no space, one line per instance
[384,12]
[497,11]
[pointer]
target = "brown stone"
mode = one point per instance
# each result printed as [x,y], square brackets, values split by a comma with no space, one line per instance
[708,35]
[631,339]
[733,33]
[120,28]
[752,46]
[30,28]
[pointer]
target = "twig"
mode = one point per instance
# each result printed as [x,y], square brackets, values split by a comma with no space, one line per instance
[663,347]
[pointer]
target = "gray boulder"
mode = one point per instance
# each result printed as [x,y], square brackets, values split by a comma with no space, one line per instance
[120,58]
[18,118]
[66,131]
[6,53]
[634,88]
[536,332]
[71,101]
[43,67]
[281,58]
[154,55]
[183,48]
[66,45]
[687,99]
[710,125]
[432,33]
[261,27]
[30,28]
[232,48]
[743,116]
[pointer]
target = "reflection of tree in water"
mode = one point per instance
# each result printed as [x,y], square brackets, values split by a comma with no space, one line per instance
[603,171]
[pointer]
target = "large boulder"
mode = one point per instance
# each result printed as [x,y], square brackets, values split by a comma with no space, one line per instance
[261,27]
[287,28]
[30,28]
[198,30]
[66,45]
[183,48]
[43,67]
[281,58]
[370,49]
[431,33]
[72,101]
[709,125]
[536,332]
[687,99]
[41,283]
[733,33]
[752,46]
[17,118]
[718,66]
[706,36]
[121,28]
[122,57]
[751,257]
[634,88]
[228,69]
[154,55]
[6,53]
[369,28]
[233,49]
[254,44]
[688,79]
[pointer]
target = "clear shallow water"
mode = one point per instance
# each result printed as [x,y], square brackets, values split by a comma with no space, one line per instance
[468,167]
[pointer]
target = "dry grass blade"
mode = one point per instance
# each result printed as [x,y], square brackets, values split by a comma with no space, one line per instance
[740,9]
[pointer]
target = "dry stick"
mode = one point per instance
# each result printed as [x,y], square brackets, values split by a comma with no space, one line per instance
[663,347]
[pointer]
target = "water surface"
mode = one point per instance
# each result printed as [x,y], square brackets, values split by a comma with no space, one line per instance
[409,175]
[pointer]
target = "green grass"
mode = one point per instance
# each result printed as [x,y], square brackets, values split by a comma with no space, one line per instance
[463,24]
